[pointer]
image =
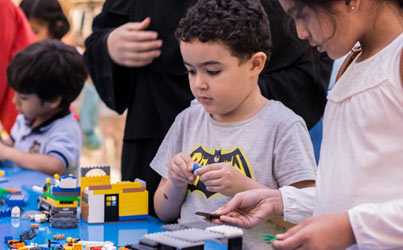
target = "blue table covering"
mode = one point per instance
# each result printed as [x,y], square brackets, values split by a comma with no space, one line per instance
[120,233]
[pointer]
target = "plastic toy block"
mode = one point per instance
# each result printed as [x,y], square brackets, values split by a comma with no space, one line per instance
[16,200]
[5,212]
[195,167]
[198,224]
[13,191]
[105,169]
[3,179]
[28,235]
[7,238]
[227,231]
[2,173]
[68,182]
[164,239]
[194,235]
[268,238]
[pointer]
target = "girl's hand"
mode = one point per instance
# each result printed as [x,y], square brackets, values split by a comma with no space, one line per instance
[222,178]
[180,170]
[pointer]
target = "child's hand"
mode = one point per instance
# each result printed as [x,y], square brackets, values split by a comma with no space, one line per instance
[222,178]
[3,151]
[180,170]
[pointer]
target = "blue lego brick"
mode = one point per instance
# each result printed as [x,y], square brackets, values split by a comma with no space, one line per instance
[65,190]
[133,217]
[7,238]
[16,200]
[195,167]
[5,212]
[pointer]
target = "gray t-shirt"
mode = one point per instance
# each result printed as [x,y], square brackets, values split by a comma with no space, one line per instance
[273,148]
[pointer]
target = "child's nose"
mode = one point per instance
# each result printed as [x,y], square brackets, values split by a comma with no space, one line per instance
[302,31]
[200,83]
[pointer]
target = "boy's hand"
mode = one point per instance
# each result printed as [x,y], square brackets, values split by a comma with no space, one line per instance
[3,151]
[222,178]
[180,170]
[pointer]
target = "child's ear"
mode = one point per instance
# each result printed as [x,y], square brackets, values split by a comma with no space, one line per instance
[258,61]
[55,103]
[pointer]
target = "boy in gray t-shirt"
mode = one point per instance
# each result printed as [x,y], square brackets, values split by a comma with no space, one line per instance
[240,139]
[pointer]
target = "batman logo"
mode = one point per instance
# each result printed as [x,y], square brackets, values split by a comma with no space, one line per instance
[205,157]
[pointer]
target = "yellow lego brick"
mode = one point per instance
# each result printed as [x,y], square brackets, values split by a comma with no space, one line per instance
[126,201]
[77,246]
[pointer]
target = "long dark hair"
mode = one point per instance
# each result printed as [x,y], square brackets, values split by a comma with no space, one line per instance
[49,11]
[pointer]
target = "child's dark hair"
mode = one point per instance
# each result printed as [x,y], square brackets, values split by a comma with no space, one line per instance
[50,12]
[49,69]
[241,25]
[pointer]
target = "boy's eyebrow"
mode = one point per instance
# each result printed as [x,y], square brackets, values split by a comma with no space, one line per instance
[204,63]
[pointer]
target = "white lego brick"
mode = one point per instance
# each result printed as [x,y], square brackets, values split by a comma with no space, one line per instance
[96,208]
[227,231]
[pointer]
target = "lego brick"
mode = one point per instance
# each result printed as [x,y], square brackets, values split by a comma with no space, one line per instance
[100,187]
[198,224]
[165,239]
[96,209]
[16,200]
[194,235]
[105,169]
[133,190]
[227,231]
[5,212]
[133,217]
[68,182]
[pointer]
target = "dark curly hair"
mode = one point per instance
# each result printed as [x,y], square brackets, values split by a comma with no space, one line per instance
[50,12]
[49,69]
[241,25]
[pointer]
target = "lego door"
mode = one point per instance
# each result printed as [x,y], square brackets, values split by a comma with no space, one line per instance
[111,207]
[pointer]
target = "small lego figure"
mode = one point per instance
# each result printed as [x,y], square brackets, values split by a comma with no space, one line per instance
[15,212]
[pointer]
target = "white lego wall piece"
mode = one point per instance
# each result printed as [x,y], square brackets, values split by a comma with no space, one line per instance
[96,211]
[68,182]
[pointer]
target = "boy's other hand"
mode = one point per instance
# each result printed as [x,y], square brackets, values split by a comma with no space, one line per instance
[180,170]
[222,178]
[131,45]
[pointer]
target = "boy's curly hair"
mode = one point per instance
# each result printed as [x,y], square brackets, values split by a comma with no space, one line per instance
[49,69]
[241,25]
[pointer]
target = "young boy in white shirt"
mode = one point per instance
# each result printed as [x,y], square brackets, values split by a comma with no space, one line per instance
[46,76]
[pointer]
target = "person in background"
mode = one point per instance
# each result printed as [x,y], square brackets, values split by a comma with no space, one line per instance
[46,76]
[46,18]
[357,200]
[16,35]
[135,63]
[48,21]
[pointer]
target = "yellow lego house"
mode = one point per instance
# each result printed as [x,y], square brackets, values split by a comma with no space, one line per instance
[104,202]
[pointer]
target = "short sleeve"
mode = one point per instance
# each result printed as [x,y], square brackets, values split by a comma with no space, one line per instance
[169,147]
[294,159]
[66,144]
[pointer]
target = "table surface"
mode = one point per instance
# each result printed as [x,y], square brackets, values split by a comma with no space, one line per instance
[120,233]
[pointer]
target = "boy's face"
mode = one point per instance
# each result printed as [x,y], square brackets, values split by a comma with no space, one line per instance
[31,106]
[225,87]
